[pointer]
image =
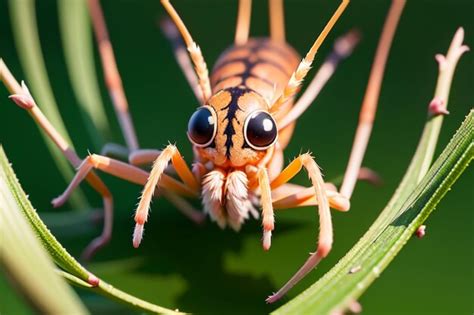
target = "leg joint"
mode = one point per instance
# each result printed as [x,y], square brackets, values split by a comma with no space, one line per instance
[94,160]
[324,247]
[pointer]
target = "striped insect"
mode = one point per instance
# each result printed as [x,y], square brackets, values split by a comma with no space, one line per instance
[239,132]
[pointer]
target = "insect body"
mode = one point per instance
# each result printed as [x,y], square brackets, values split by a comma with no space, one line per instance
[238,155]
[239,131]
[234,130]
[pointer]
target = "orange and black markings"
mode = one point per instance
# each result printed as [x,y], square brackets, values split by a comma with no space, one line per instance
[230,117]
[260,65]
[232,106]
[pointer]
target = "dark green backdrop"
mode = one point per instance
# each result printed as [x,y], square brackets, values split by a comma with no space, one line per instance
[206,270]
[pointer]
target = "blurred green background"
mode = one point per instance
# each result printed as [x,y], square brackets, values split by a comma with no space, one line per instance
[209,271]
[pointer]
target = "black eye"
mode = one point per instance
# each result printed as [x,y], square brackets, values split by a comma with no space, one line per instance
[202,126]
[260,130]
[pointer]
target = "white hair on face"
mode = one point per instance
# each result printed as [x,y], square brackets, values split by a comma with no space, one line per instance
[238,204]
[233,208]
[212,189]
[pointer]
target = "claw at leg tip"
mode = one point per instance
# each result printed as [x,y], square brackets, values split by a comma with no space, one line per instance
[267,240]
[272,298]
[137,235]
[57,202]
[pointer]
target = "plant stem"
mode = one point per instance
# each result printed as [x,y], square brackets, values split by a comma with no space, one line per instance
[26,36]
[339,287]
[387,235]
[446,65]
[76,273]
[26,262]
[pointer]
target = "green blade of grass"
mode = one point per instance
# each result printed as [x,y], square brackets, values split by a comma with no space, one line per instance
[335,282]
[78,50]
[27,264]
[76,274]
[23,19]
[340,287]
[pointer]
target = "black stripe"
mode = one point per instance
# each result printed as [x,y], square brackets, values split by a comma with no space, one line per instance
[241,75]
[256,46]
[232,108]
[249,65]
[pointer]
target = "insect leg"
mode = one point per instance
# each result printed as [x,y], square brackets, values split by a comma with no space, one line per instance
[243,22]
[369,104]
[268,220]
[200,65]
[365,174]
[170,153]
[121,170]
[143,156]
[291,196]
[301,71]
[277,20]
[168,186]
[112,75]
[325,231]
[23,98]
[179,49]
[137,157]
[343,47]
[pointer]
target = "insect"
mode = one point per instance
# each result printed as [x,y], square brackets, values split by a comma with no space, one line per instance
[244,121]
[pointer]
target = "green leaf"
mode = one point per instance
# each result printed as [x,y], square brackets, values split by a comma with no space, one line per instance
[78,50]
[414,199]
[25,260]
[377,248]
[73,271]
[23,19]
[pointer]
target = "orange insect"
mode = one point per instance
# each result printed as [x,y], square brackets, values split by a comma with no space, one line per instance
[244,122]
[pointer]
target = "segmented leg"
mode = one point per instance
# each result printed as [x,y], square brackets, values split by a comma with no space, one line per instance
[112,75]
[277,20]
[369,104]
[362,134]
[170,153]
[291,196]
[365,174]
[268,220]
[343,47]
[22,97]
[121,170]
[325,231]
[143,156]
[301,71]
[137,157]
[181,55]
[243,22]
[194,51]
[169,187]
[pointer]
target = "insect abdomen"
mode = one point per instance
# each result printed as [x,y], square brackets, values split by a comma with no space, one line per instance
[261,65]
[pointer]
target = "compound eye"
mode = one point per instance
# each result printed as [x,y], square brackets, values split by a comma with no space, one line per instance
[260,130]
[202,126]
